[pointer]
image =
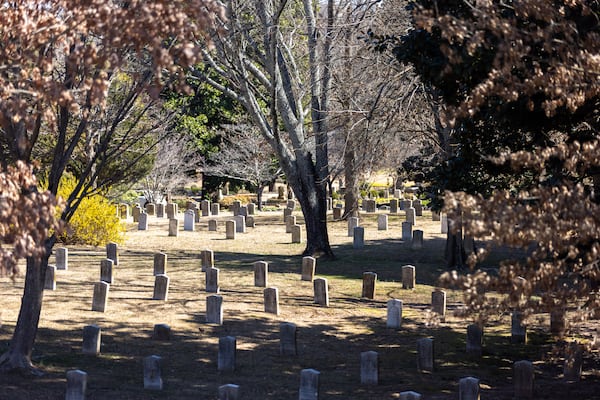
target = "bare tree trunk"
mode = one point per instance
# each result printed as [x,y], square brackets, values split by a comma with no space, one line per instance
[259,193]
[18,356]
[352,190]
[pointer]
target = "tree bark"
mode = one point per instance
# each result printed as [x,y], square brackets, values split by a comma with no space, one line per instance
[352,190]
[18,356]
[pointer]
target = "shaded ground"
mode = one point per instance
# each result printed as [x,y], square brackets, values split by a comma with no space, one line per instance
[329,339]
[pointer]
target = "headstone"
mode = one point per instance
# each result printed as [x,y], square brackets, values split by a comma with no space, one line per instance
[215,209]
[393,206]
[296,234]
[76,385]
[106,271]
[124,211]
[369,368]
[444,224]
[410,395]
[368,286]
[474,340]
[261,273]
[62,258]
[309,384]
[425,354]
[435,216]
[291,204]
[188,220]
[405,204]
[212,280]
[337,213]
[226,358]
[230,229]
[287,339]
[358,241]
[197,212]
[173,227]
[100,298]
[229,392]
[394,314]
[135,213]
[150,209]
[235,207]
[411,215]
[352,223]
[308,268]
[558,322]
[406,231]
[382,222]
[408,277]
[573,361]
[161,287]
[290,221]
[518,331]
[212,225]
[251,208]
[468,388]
[207,259]
[112,252]
[172,210]
[161,332]
[417,239]
[243,211]
[370,205]
[250,221]
[321,292]
[91,340]
[523,377]
[152,373]
[50,282]
[205,207]
[271,300]
[418,206]
[214,309]
[438,303]
[397,192]
[160,264]
[160,210]
[143,222]
[286,213]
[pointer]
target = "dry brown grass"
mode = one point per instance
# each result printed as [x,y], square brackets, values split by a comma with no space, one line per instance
[329,339]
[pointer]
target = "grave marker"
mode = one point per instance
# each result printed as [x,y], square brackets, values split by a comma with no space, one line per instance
[308,268]
[425,352]
[474,340]
[408,277]
[309,384]
[271,300]
[468,388]
[212,225]
[229,392]
[321,292]
[261,273]
[410,395]
[143,222]
[188,220]
[161,332]
[106,271]
[100,297]
[394,314]
[112,252]
[91,340]
[523,378]
[287,339]
[173,227]
[205,207]
[369,368]
[160,264]
[417,239]
[207,259]
[152,373]
[358,241]
[352,223]
[214,309]
[212,280]
[161,287]
[438,303]
[226,357]
[518,331]
[290,221]
[230,229]
[215,209]
[406,231]
[382,222]
[50,281]
[368,286]
[296,234]
[393,206]
[62,258]
[76,385]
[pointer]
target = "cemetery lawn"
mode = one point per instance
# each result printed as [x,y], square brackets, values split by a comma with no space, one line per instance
[330,340]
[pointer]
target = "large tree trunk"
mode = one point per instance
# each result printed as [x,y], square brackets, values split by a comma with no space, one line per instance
[18,356]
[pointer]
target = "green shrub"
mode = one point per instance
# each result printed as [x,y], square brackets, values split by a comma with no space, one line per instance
[95,221]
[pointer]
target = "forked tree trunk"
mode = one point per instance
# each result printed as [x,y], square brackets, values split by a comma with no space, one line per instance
[18,356]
